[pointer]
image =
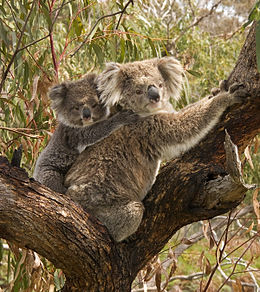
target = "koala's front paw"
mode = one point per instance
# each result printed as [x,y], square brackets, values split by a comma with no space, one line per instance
[216,90]
[129,117]
[238,93]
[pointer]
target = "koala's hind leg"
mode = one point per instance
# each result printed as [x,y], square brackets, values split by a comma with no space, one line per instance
[122,220]
[52,179]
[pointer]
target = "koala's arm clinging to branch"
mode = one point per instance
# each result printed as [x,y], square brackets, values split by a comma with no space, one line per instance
[188,127]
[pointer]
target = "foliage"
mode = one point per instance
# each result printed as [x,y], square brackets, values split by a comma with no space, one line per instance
[45,42]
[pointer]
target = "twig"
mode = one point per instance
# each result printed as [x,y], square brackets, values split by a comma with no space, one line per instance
[69,29]
[123,11]
[97,22]
[19,131]
[200,235]
[190,277]
[237,262]
[197,21]
[232,281]
[62,5]
[53,53]
[17,47]
[219,259]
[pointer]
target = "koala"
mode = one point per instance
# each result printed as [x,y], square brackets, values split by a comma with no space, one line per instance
[144,87]
[112,177]
[83,121]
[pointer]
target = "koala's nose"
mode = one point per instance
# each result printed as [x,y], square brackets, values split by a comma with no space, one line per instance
[153,93]
[86,113]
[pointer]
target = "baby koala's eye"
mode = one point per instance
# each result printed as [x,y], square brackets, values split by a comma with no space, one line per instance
[138,91]
[160,85]
[77,107]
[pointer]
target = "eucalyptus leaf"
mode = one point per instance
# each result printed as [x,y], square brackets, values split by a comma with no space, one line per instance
[194,73]
[99,53]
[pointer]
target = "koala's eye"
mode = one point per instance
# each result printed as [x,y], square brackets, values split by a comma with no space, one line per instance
[94,105]
[138,91]
[76,108]
[160,85]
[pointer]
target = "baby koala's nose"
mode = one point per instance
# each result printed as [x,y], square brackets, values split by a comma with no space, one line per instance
[153,93]
[86,113]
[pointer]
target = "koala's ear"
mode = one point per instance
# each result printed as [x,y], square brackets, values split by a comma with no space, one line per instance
[171,71]
[108,84]
[57,95]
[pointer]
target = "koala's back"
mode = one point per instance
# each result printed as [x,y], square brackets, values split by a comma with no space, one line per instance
[59,153]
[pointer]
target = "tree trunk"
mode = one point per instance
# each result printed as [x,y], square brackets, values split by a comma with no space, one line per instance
[202,185]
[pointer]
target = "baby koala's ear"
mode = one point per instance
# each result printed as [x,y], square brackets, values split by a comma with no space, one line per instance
[108,84]
[171,71]
[57,95]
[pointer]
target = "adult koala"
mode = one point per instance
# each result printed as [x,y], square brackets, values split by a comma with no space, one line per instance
[111,178]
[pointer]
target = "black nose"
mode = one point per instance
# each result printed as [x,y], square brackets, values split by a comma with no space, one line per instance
[153,93]
[86,113]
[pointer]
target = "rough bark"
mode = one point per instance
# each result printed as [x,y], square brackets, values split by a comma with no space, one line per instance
[185,191]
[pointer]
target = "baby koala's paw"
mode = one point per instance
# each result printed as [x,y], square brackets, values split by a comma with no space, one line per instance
[129,117]
[238,93]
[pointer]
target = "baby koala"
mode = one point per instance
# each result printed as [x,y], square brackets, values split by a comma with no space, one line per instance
[83,121]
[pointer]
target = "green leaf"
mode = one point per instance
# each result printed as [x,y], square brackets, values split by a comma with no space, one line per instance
[152,47]
[247,23]
[194,73]
[26,73]
[255,13]
[93,33]
[258,45]
[76,28]
[99,53]
[46,13]
[2,9]
[3,34]
[57,280]
[122,47]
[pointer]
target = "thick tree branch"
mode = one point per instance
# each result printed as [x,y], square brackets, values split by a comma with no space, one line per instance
[33,217]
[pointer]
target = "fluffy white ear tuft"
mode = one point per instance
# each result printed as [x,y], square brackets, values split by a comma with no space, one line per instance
[108,84]
[57,95]
[172,72]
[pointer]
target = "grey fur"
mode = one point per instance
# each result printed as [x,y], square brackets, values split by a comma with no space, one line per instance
[111,178]
[127,85]
[82,122]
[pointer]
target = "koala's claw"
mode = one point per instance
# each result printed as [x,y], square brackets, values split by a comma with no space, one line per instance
[238,92]
[235,86]
[216,90]
[223,85]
